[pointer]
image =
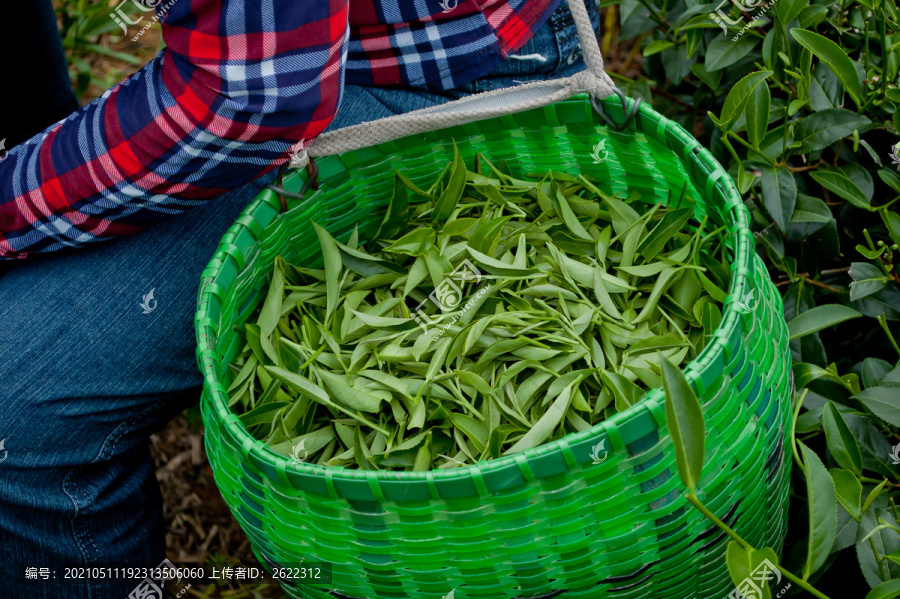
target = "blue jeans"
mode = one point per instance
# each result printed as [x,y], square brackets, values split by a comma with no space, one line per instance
[87,374]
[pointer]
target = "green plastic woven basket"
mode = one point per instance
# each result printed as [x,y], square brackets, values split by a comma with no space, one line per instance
[549,521]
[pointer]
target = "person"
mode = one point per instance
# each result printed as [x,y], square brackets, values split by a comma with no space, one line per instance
[129,196]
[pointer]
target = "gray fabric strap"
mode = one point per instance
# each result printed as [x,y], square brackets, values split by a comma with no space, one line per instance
[471,108]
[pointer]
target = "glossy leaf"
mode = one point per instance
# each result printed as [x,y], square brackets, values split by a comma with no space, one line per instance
[779,193]
[885,590]
[686,425]
[820,130]
[842,186]
[757,114]
[450,197]
[739,96]
[834,56]
[743,563]
[822,500]
[819,318]
[884,402]
[841,442]
[867,279]
[332,258]
[723,52]
[848,490]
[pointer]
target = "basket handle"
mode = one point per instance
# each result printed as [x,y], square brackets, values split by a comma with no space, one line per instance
[590,47]
[471,108]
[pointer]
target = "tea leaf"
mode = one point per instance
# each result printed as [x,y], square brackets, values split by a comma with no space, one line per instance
[415,243]
[819,318]
[544,427]
[742,563]
[841,442]
[686,425]
[448,200]
[480,321]
[332,268]
[833,56]
[271,310]
[822,511]
[848,490]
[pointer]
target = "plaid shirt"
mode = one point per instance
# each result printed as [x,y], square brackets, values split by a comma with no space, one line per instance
[239,84]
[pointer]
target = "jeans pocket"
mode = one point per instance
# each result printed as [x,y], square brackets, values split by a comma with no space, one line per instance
[552,52]
[571,57]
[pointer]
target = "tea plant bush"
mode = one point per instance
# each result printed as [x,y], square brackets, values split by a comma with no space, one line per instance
[799,99]
[99,55]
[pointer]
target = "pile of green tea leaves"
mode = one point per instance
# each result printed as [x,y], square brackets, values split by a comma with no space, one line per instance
[487,315]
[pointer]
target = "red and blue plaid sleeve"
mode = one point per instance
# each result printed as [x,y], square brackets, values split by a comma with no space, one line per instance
[437,44]
[238,85]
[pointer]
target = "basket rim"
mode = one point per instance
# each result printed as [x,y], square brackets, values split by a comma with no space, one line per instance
[651,404]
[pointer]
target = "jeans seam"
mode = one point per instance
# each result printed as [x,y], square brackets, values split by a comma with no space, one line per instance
[83,540]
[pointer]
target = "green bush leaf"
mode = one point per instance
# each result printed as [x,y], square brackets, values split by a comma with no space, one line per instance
[820,318]
[656,46]
[848,490]
[843,186]
[875,539]
[886,590]
[685,419]
[820,130]
[779,193]
[723,52]
[867,279]
[739,96]
[841,442]
[892,222]
[742,563]
[757,114]
[788,10]
[822,500]
[884,402]
[836,59]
